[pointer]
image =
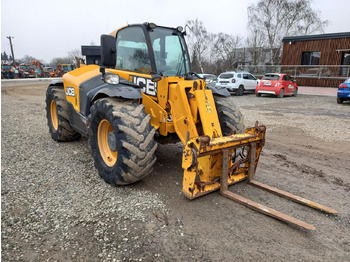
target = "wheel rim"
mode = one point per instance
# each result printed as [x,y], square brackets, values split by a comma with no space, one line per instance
[53,112]
[108,156]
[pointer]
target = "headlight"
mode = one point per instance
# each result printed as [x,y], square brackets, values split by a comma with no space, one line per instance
[112,79]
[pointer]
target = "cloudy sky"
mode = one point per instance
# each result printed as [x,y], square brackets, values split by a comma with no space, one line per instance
[46,29]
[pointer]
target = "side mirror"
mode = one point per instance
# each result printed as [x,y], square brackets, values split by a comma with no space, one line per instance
[156,77]
[108,51]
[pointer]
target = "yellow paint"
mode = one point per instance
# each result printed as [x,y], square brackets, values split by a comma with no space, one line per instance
[107,155]
[202,163]
[53,114]
[74,78]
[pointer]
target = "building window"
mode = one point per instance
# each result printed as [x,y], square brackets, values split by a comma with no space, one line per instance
[345,60]
[310,58]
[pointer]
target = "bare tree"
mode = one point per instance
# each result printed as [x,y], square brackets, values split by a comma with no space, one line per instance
[226,48]
[63,60]
[279,18]
[256,46]
[69,59]
[73,54]
[312,23]
[27,59]
[199,43]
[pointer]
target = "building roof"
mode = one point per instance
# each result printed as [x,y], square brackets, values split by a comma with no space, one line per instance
[316,37]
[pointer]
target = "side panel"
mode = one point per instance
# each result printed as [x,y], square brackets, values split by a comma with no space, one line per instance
[85,84]
[72,81]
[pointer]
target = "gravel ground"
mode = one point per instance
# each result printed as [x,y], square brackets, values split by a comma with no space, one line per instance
[56,208]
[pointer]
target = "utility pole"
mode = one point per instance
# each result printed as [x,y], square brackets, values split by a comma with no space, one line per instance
[13,54]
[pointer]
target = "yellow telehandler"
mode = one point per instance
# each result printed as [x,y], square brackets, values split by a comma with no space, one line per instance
[145,93]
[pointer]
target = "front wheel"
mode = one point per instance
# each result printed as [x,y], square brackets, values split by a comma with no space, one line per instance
[121,140]
[230,117]
[295,93]
[281,94]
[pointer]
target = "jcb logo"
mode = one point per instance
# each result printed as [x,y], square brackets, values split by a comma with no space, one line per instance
[148,87]
[70,91]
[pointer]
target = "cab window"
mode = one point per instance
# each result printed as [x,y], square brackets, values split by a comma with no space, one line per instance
[170,58]
[132,51]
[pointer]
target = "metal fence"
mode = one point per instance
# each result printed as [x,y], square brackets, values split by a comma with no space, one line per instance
[301,71]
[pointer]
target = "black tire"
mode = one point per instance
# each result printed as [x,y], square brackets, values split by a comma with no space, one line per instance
[258,94]
[230,117]
[339,100]
[281,94]
[57,115]
[240,90]
[295,93]
[122,140]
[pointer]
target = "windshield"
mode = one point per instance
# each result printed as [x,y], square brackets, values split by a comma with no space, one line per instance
[226,76]
[66,67]
[271,77]
[169,52]
[25,67]
[5,67]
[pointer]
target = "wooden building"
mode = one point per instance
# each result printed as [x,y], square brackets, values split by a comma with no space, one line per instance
[317,60]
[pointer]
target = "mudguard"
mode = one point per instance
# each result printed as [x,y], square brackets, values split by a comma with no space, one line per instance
[58,82]
[124,91]
[217,91]
[96,88]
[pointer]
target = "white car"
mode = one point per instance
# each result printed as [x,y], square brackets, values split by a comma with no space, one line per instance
[209,78]
[237,82]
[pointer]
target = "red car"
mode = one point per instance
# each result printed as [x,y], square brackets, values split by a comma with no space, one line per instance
[277,84]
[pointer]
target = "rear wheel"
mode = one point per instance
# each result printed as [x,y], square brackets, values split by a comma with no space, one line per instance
[339,100]
[121,140]
[281,94]
[230,117]
[240,90]
[57,115]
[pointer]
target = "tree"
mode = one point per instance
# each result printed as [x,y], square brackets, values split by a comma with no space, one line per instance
[226,50]
[199,43]
[279,18]
[255,43]
[69,59]
[27,59]
[63,60]
[73,54]
[4,56]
